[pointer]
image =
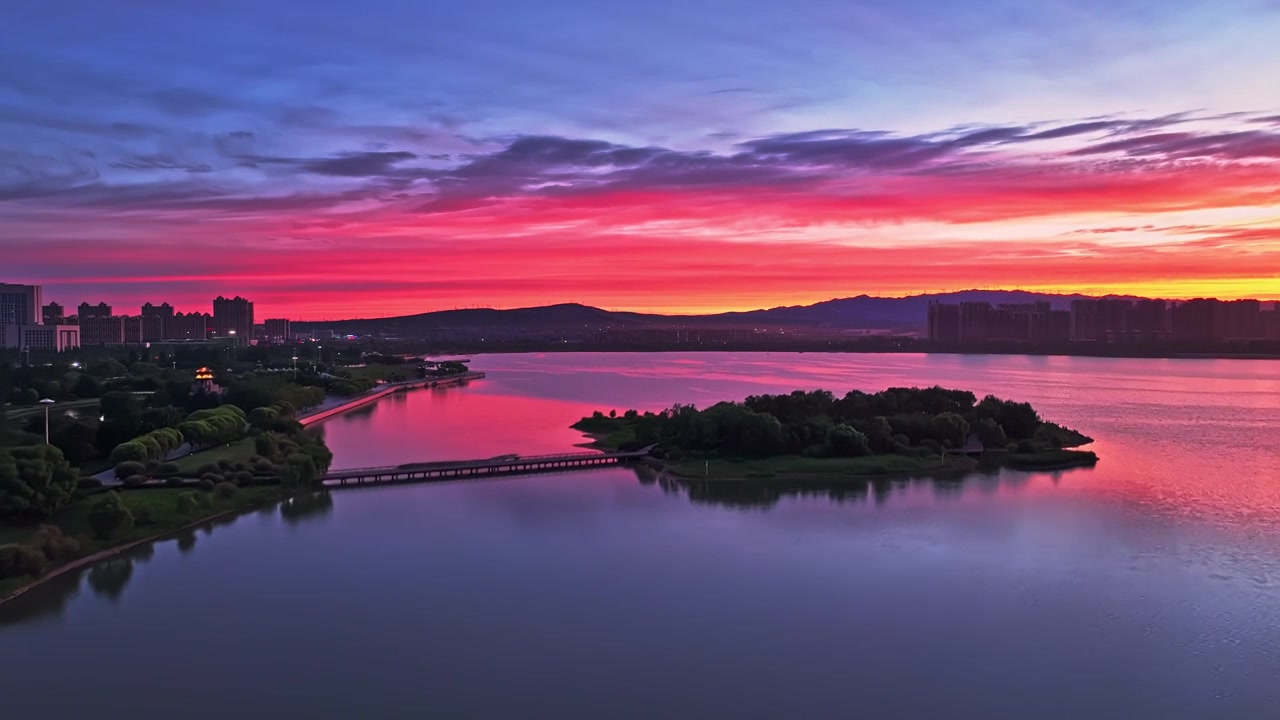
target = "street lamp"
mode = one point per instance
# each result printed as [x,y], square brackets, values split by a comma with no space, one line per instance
[295,368]
[46,403]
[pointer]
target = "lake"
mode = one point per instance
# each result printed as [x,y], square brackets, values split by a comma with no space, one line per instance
[1147,587]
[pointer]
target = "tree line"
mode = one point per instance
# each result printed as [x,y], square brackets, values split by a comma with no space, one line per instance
[817,423]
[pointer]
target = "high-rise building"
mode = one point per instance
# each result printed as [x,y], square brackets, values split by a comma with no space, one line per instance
[101,330]
[974,321]
[40,337]
[1242,320]
[1084,321]
[1271,324]
[1199,320]
[233,316]
[1113,320]
[53,314]
[1149,320]
[101,310]
[132,329]
[1058,326]
[189,326]
[20,304]
[155,321]
[277,330]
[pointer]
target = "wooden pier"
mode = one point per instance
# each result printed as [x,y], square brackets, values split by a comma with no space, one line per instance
[490,467]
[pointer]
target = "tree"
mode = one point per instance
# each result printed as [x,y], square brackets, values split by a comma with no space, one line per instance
[118,405]
[880,434]
[128,468]
[109,516]
[949,427]
[186,503]
[35,482]
[132,450]
[75,439]
[1019,420]
[87,386]
[990,433]
[844,441]
[19,560]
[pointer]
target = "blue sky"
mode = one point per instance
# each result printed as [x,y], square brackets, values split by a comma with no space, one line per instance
[105,103]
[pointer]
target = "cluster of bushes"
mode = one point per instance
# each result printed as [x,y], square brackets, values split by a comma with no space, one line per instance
[277,416]
[155,445]
[46,547]
[298,458]
[135,473]
[349,387]
[897,420]
[35,482]
[203,428]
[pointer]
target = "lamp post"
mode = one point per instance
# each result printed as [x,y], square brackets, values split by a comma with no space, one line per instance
[232,333]
[295,368]
[46,403]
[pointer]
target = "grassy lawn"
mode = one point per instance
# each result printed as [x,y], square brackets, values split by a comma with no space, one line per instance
[238,451]
[613,440]
[798,466]
[165,517]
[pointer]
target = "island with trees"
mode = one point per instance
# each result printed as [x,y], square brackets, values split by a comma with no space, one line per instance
[898,432]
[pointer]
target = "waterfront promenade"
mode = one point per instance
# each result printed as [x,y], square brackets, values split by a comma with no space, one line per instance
[382,391]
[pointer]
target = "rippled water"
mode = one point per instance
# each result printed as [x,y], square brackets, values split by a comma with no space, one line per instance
[1146,587]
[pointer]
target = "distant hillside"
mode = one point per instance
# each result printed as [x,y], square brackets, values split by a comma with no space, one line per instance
[863,312]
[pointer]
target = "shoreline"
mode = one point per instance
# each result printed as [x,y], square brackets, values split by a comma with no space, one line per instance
[818,348]
[113,551]
[314,418]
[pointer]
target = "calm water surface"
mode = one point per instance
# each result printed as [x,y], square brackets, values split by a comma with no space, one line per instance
[1148,587]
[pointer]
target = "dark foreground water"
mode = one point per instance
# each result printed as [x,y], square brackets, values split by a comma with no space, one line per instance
[1148,587]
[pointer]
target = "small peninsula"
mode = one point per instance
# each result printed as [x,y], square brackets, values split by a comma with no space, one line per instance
[898,432]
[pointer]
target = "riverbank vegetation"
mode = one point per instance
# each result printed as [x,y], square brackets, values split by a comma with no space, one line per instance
[174,451]
[899,431]
[93,524]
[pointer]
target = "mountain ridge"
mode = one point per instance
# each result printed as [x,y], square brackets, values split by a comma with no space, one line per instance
[865,312]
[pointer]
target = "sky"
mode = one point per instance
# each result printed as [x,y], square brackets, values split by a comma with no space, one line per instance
[336,159]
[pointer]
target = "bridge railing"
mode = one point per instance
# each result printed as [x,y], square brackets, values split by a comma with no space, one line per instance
[496,461]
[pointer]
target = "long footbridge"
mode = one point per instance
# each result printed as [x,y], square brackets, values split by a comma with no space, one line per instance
[489,467]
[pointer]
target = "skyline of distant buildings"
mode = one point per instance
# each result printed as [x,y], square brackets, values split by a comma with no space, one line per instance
[25,322]
[1103,321]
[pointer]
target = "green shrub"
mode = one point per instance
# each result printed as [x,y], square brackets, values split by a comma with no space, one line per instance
[186,503]
[206,484]
[53,544]
[131,450]
[19,560]
[129,467]
[142,514]
[209,469]
[225,489]
[204,499]
[1024,446]
[244,477]
[135,481]
[168,469]
[175,482]
[109,516]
